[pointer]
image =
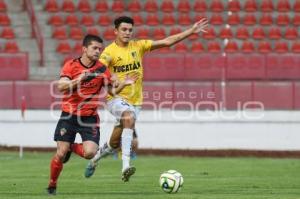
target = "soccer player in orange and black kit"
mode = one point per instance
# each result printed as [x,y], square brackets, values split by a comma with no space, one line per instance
[81,80]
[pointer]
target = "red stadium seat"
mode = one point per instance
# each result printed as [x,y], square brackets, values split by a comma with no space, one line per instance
[181,47]
[266,6]
[102,6]
[199,17]
[197,47]
[281,47]
[159,33]
[104,20]
[225,33]
[283,20]
[164,50]
[216,6]
[138,20]
[258,33]
[242,33]
[168,19]
[84,6]
[231,47]
[283,6]
[68,6]
[234,6]
[291,33]
[72,20]
[51,6]
[274,33]
[194,36]
[60,33]
[216,19]
[134,6]
[264,47]
[296,20]
[250,6]
[152,20]
[93,31]
[151,6]
[296,6]
[184,19]
[63,47]
[200,6]
[77,48]
[8,33]
[213,47]
[183,6]
[175,30]
[76,33]
[56,20]
[249,20]
[240,67]
[3,7]
[87,20]
[296,47]
[167,6]
[210,34]
[247,47]
[118,6]
[109,34]
[266,19]
[11,47]
[233,19]
[4,19]
[142,33]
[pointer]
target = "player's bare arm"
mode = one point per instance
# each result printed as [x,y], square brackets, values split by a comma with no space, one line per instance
[199,26]
[65,84]
[116,88]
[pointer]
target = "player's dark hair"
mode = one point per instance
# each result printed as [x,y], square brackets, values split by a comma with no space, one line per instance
[123,19]
[88,39]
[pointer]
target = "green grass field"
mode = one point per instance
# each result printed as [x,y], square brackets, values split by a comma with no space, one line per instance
[204,178]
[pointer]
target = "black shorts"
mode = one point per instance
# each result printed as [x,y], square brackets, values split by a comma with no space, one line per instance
[68,125]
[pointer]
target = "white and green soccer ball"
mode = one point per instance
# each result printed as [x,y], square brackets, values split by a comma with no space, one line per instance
[171,181]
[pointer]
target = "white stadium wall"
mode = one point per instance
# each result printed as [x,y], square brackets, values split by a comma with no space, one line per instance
[166,129]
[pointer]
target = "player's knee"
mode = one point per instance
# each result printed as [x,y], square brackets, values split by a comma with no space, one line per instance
[89,154]
[114,143]
[61,154]
[128,119]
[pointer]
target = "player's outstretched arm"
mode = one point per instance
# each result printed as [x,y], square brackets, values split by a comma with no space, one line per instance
[67,85]
[129,80]
[199,26]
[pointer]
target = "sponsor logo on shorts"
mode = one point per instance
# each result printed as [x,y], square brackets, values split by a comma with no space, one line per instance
[63,131]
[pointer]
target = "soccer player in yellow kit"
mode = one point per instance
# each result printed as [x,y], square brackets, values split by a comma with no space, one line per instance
[123,58]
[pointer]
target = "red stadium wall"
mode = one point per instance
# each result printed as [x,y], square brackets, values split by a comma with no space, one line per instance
[278,95]
[13,66]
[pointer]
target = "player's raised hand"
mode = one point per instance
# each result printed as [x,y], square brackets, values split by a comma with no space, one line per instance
[200,26]
[131,78]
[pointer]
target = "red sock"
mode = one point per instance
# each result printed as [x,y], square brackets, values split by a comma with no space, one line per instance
[55,168]
[78,149]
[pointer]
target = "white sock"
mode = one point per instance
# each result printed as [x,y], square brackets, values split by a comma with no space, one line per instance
[126,147]
[102,152]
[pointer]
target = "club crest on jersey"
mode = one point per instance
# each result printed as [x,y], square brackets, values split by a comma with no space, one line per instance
[133,54]
[63,131]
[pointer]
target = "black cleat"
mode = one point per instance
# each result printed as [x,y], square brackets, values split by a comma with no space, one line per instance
[67,157]
[51,190]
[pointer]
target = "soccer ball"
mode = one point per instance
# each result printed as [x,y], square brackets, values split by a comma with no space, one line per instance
[171,181]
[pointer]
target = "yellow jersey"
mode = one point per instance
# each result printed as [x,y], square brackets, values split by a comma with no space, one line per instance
[122,61]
